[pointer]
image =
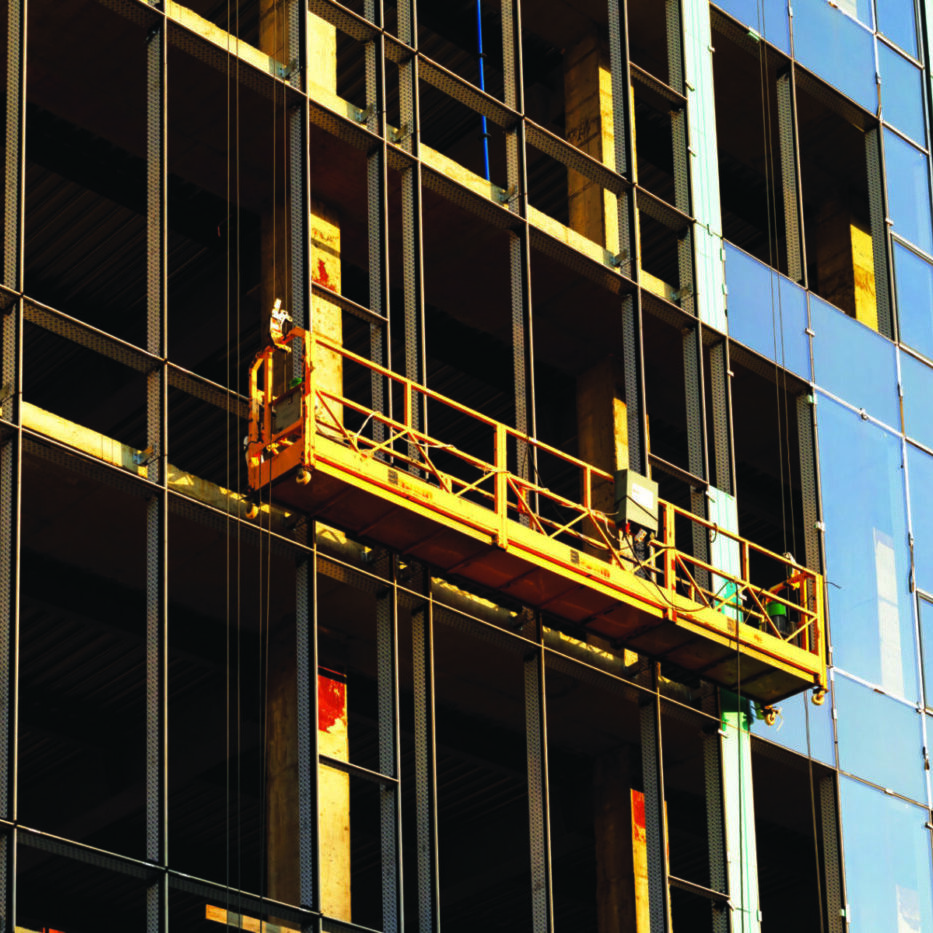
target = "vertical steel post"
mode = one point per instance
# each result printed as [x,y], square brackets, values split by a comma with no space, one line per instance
[519,238]
[389,755]
[808,481]
[429,908]
[412,226]
[11,390]
[306,579]
[877,208]
[629,260]
[696,440]
[14,145]
[377,199]
[655,817]
[792,212]
[722,425]
[539,822]
[298,188]
[832,866]
[716,844]
[157,506]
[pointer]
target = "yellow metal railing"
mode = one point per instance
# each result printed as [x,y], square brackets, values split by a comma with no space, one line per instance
[496,484]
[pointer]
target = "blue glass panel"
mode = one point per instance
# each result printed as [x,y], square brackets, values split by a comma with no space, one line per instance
[776,25]
[901,92]
[867,558]
[908,191]
[837,49]
[920,480]
[853,362]
[762,302]
[879,739]
[917,380]
[887,861]
[913,278]
[897,20]
[790,730]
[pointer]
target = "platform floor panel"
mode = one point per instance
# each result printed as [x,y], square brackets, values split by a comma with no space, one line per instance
[371,500]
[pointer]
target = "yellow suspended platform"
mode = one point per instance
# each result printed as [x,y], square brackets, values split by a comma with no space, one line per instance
[467,509]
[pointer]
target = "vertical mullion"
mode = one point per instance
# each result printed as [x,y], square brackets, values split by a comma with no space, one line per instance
[429,910]
[306,580]
[832,863]
[722,427]
[157,506]
[655,830]
[11,357]
[808,481]
[629,260]
[297,171]
[412,224]
[377,197]
[538,804]
[793,233]
[389,755]
[14,156]
[880,234]
[716,843]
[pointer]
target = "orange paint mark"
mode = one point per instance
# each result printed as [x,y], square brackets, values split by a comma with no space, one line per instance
[320,275]
[331,703]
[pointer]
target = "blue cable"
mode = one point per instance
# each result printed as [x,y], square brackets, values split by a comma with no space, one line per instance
[482,83]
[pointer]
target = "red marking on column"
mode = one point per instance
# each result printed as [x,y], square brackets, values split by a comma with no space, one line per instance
[331,703]
[320,275]
[638,816]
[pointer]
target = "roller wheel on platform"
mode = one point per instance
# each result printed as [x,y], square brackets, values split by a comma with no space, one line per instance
[819,695]
[770,715]
[303,477]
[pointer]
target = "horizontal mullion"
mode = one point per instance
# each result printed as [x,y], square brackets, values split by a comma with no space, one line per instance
[569,155]
[348,22]
[694,888]
[346,304]
[374,777]
[465,93]
[648,80]
[661,211]
[207,391]
[89,336]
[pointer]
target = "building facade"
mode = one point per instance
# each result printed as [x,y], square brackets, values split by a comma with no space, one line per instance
[690,240]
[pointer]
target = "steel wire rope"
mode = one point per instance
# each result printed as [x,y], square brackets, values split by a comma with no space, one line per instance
[239,541]
[228,476]
[781,384]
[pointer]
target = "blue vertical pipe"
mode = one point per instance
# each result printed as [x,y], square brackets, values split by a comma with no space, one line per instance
[482,82]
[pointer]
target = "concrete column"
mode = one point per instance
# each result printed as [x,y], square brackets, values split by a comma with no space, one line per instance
[589,126]
[621,850]
[334,799]
[845,263]
[602,424]
[282,803]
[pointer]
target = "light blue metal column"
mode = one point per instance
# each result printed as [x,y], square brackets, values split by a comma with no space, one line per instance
[704,166]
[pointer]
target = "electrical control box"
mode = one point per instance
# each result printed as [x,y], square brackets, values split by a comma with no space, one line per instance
[636,500]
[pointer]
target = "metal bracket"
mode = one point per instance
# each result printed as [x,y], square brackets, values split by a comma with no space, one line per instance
[401,134]
[144,457]
[286,71]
